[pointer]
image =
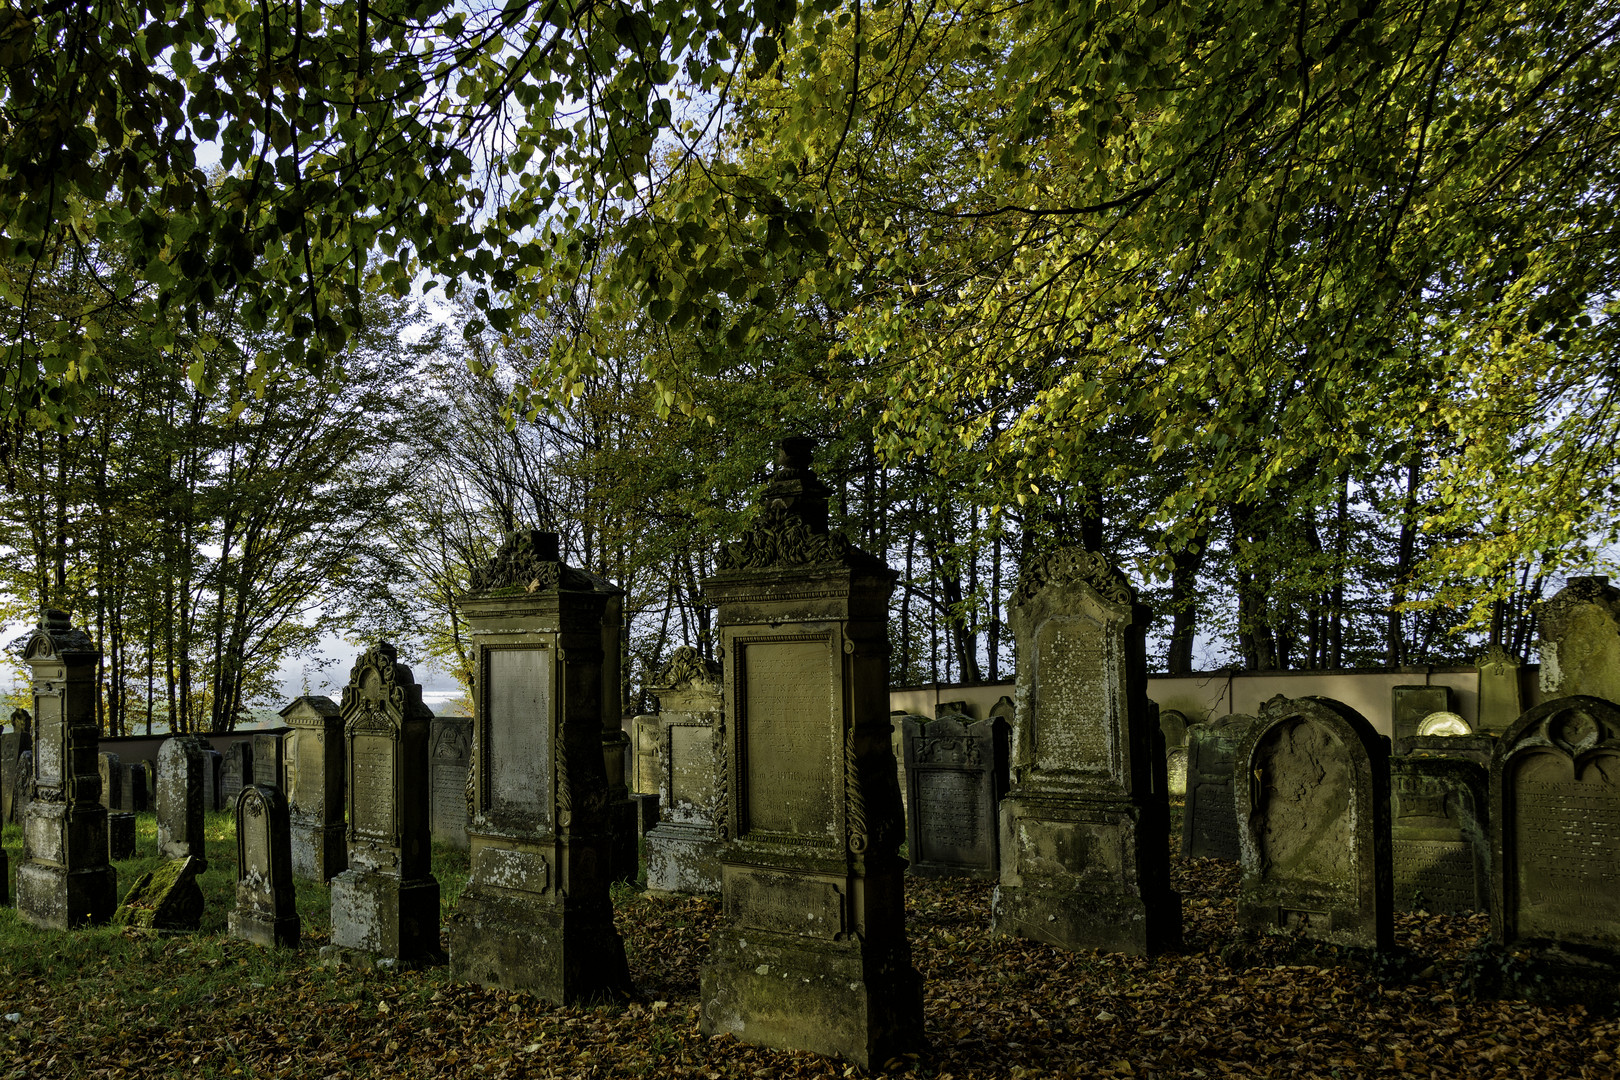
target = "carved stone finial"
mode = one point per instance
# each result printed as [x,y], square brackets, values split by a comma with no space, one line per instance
[528,559]
[686,666]
[381,692]
[1068,565]
[55,637]
[791,530]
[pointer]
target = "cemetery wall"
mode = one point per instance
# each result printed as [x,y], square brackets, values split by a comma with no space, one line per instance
[130,748]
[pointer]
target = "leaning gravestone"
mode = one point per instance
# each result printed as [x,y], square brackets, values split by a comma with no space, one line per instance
[65,880]
[1085,859]
[1555,834]
[268,759]
[538,786]
[811,951]
[683,849]
[451,741]
[1313,824]
[182,764]
[166,899]
[956,773]
[1209,819]
[1580,640]
[1440,847]
[266,910]
[1499,696]
[314,777]
[236,772]
[1411,705]
[385,906]
[1173,725]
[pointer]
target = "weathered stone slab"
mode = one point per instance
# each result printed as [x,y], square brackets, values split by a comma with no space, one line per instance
[266,910]
[451,756]
[1440,846]
[683,848]
[235,771]
[314,773]
[645,732]
[1313,825]
[120,835]
[213,763]
[136,788]
[1209,819]
[183,764]
[13,744]
[1475,748]
[1411,705]
[1500,701]
[1555,834]
[166,899]
[957,773]
[1085,858]
[1173,726]
[269,759]
[1580,640]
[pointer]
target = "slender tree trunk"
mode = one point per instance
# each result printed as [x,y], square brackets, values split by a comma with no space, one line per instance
[1397,650]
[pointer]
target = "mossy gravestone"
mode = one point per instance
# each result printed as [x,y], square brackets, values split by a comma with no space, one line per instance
[1555,806]
[1085,860]
[683,849]
[1209,820]
[1411,705]
[314,786]
[811,951]
[956,774]
[1313,824]
[535,915]
[266,910]
[1440,847]
[165,899]
[1580,640]
[385,906]
[182,766]
[65,879]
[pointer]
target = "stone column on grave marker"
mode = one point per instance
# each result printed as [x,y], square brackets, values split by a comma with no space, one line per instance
[1439,843]
[182,766]
[683,849]
[266,910]
[1085,860]
[811,952]
[1555,835]
[269,760]
[1313,824]
[314,776]
[1411,705]
[956,773]
[385,906]
[65,880]
[1580,640]
[535,914]
[451,743]
[1500,700]
[1209,822]
[235,771]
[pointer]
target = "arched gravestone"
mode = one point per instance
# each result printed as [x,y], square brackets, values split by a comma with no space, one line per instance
[314,785]
[450,757]
[1085,858]
[1580,640]
[182,763]
[1313,824]
[1555,807]
[266,910]
[956,775]
[683,849]
[1173,726]
[1209,822]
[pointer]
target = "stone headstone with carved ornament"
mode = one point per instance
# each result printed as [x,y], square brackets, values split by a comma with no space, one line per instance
[314,776]
[1500,696]
[956,774]
[266,911]
[683,849]
[811,951]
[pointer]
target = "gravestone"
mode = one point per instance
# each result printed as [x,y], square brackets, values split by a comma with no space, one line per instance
[236,771]
[385,906]
[165,899]
[213,762]
[1313,824]
[683,849]
[13,744]
[314,776]
[538,784]
[1085,860]
[1475,748]
[1173,725]
[64,880]
[266,910]
[137,787]
[268,759]
[451,742]
[956,772]
[22,722]
[622,811]
[1500,702]
[645,733]
[1444,723]
[182,767]
[960,708]
[120,835]
[1209,818]
[1555,834]
[1580,640]
[25,785]
[1440,846]
[112,781]
[811,950]
[1410,705]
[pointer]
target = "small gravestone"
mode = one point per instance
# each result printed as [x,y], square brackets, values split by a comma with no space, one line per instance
[236,771]
[65,881]
[112,780]
[1555,834]
[1580,640]
[266,910]
[1313,825]
[268,759]
[451,742]
[683,848]
[1500,700]
[1209,819]
[1085,830]
[960,708]
[213,762]
[25,785]
[645,733]
[1410,705]
[1173,725]
[622,812]
[137,788]
[165,899]
[956,770]
[182,767]
[13,744]
[385,906]
[1440,847]
[120,835]
[314,773]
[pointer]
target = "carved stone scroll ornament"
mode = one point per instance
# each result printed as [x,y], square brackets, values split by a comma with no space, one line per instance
[686,666]
[527,559]
[781,539]
[856,797]
[1069,565]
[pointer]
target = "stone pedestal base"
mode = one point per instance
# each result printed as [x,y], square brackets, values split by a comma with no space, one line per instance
[682,859]
[319,852]
[62,899]
[828,997]
[518,941]
[264,928]
[386,918]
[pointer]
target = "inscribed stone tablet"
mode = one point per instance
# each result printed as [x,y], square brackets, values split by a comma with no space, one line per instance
[691,765]
[306,770]
[1306,833]
[952,827]
[48,744]
[372,800]
[519,719]
[792,756]
[1567,838]
[256,846]
[1071,714]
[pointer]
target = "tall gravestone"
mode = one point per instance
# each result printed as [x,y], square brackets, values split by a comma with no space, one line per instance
[683,849]
[1555,834]
[25,785]
[811,951]
[1411,705]
[1580,640]
[1440,847]
[1313,824]
[65,880]
[535,914]
[1500,701]
[112,780]
[182,766]
[956,775]
[451,756]
[269,759]
[1085,861]
[385,906]
[1209,819]
[314,775]
[236,771]
[266,910]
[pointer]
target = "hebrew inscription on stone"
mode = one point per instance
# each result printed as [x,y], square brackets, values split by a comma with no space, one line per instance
[951,810]
[1072,713]
[372,801]
[792,737]
[1567,841]
[519,719]
[691,765]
